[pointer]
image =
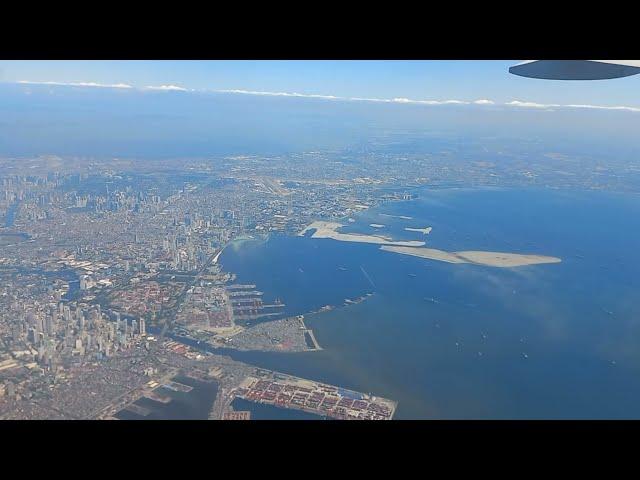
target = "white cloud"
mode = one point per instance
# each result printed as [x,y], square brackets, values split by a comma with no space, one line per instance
[429,102]
[166,88]
[77,84]
[518,103]
[396,100]
[280,94]
[333,97]
[360,99]
[409,101]
[601,107]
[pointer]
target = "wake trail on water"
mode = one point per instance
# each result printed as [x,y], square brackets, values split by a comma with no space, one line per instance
[366,275]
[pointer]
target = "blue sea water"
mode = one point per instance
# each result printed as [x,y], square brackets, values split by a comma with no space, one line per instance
[192,405]
[468,341]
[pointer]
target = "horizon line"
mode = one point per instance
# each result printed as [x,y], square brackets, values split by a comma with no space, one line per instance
[394,100]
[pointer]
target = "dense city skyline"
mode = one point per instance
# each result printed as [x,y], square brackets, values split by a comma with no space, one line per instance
[316,240]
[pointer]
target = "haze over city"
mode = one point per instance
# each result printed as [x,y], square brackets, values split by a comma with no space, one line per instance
[354,240]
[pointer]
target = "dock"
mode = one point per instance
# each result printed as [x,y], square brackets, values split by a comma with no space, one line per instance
[287,391]
[308,334]
[245,293]
[241,287]
[157,397]
[177,387]
[309,337]
[138,410]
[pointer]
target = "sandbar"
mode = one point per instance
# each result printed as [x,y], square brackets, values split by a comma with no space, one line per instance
[330,230]
[491,259]
[404,217]
[425,230]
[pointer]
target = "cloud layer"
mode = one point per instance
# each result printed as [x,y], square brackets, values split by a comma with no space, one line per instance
[397,100]
[77,84]
[166,88]
[517,103]
[482,101]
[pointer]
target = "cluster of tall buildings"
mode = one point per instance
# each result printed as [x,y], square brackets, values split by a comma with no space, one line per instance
[63,334]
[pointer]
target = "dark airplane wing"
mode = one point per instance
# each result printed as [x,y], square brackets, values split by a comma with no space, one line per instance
[576,69]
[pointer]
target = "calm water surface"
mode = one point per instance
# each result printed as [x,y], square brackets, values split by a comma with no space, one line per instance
[467,341]
[193,405]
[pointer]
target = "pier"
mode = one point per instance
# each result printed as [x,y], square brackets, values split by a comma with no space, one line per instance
[309,337]
[138,410]
[287,391]
[156,397]
[177,387]
[312,342]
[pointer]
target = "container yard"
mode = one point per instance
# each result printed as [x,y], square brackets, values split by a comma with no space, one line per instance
[286,391]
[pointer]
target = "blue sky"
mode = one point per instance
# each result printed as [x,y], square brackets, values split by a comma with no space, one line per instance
[420,80]
[466,99]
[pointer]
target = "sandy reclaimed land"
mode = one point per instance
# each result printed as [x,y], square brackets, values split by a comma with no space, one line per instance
[329,230]
[425,230]
[491,259]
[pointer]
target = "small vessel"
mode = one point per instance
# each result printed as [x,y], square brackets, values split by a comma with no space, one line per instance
[525,355]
